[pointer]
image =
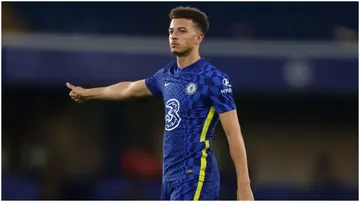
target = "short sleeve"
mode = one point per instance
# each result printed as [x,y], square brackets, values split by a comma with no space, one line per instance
[153,83]
[220,92]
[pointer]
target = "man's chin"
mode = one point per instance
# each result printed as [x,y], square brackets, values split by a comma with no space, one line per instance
[175,52]
[179,53]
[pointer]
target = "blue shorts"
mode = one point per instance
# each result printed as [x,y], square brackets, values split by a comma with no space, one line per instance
[190,190]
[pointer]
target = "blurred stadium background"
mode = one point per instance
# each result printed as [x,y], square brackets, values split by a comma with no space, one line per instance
[295,72]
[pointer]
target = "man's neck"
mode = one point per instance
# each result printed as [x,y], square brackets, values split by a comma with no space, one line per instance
[187,60]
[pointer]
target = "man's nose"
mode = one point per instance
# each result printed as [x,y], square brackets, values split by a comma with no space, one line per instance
[173,37]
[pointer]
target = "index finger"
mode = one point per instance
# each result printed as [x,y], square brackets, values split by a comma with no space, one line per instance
[69,85]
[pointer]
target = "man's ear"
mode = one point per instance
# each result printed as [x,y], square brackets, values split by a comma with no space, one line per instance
[199,38]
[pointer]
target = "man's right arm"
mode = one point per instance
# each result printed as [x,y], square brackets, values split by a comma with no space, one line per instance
[118,91]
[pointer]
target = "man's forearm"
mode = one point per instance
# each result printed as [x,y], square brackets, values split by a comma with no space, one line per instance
[238,154]
[117,91]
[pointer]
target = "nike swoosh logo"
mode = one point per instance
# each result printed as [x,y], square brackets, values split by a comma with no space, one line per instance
[166,84]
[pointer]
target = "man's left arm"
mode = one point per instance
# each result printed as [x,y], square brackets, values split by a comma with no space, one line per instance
[230,123]
[221,95]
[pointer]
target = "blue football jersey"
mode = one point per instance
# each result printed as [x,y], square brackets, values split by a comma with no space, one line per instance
[193,97]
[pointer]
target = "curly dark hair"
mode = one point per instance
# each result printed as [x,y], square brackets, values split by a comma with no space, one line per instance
[199,18]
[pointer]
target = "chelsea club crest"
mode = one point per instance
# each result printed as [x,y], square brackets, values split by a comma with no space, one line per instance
[191,88]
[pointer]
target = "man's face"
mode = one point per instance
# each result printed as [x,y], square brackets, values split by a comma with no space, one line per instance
[184,36]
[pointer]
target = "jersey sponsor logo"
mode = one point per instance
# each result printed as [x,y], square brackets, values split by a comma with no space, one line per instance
[226,90]
[226,82]
[191,88]
[172,118]
[166,83]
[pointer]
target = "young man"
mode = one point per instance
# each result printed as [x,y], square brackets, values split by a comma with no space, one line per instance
[196,96]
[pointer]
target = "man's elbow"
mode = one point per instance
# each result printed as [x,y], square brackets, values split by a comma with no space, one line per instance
[233,135]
